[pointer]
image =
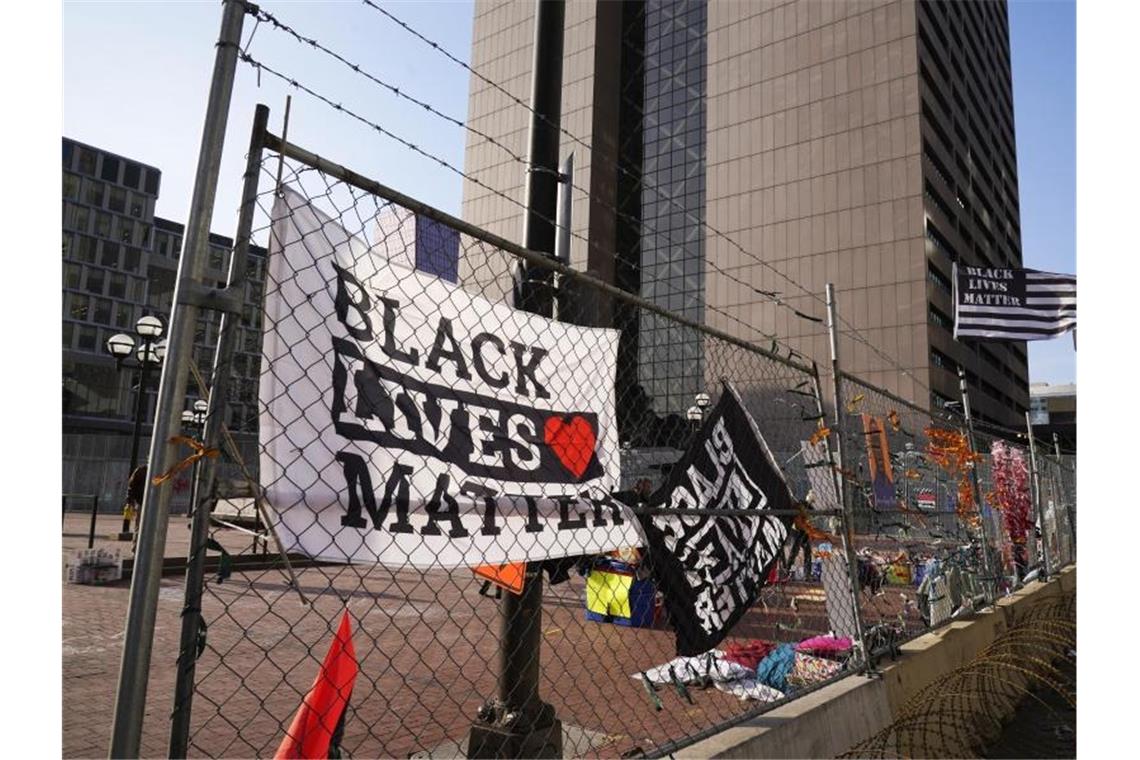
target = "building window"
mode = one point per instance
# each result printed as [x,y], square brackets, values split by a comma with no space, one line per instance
[80,217]
[124,315]
[126,230]
[102,311]
[152,181]
[131,259]
[102,224]
[86,161]
[68,149]
[70,186]
[144,235]
[71,275]
[940,319]
[88,336]
[118,200]
[95,193]
[117,285]
[68,334]
[138,205]
[95,281]
[132,173]
[110,255]
[138,290]
[78,306]
[110,169]
[85,249]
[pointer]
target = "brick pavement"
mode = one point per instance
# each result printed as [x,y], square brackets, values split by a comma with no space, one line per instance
[427,643]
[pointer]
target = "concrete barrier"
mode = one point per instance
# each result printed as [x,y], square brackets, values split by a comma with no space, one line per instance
[832,720]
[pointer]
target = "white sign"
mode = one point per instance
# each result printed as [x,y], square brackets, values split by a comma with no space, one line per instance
[407,421]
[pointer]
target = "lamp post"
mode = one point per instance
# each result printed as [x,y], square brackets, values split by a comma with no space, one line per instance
[195,419]
[150,352]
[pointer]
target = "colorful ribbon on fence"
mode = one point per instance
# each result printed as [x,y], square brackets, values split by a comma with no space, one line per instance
[199,451]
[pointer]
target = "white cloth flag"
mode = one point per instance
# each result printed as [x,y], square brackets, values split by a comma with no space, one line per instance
[408,422]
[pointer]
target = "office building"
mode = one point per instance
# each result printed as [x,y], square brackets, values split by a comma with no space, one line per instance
[120,263]
[868,143]
[1053,410]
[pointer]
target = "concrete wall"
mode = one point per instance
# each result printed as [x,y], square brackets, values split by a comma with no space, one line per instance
[832,720]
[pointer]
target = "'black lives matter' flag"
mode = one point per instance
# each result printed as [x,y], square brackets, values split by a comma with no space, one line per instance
[1013,304]
[711,567]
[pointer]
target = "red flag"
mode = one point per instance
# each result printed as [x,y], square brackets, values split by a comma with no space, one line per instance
[323,708]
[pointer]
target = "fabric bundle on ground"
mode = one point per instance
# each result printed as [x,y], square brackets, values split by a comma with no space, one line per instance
[748,653]
[807,670]
[700,670]
[750,688]
[826,646]
[773,670]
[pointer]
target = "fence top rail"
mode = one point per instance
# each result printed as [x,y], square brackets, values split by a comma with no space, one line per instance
[297,153]
[948,418]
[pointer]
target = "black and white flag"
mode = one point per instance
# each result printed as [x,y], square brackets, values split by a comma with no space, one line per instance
[1013,304]
[711,567]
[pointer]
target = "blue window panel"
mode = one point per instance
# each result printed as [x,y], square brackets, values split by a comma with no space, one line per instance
[437,249]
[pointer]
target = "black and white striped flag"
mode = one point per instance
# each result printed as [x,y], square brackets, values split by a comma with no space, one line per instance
[1013,304]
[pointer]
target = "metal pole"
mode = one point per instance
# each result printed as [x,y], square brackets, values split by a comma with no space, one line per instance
[211,436]
[521,724]
[136,436]
[189,291]
[1046,570]
[563,228]
[94,512]
[848,518]
[989,586]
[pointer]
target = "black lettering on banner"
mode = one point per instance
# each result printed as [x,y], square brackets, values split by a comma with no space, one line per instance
[397,411]
[523,371]
[453,352]
[436,514]
[359,306]
[490,506]
[533,524]
[477,343]
[361,496]
[412,357]
[710,567]
[564,522]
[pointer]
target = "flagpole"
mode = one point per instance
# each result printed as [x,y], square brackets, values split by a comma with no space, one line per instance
[989,587]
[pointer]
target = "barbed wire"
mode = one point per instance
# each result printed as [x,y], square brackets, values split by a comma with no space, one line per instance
[261,66]
[264,15]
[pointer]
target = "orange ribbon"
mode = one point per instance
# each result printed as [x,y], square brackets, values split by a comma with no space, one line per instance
[199,450]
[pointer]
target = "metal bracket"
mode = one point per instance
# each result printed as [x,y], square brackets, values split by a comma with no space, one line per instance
[226,299]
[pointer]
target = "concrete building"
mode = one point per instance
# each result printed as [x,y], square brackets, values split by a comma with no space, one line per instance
[1053,409]
[120,263]
[868,143]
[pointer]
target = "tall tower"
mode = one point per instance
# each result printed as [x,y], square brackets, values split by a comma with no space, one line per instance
[736,148]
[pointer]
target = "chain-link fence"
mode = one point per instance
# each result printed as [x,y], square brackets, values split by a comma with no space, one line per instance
[338,392]
[943,524]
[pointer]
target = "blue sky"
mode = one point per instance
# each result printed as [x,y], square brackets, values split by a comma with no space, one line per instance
[136,76]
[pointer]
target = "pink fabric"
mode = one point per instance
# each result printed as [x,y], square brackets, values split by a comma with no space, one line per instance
[825,645]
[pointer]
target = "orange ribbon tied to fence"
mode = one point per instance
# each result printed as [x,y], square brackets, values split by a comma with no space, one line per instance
[200,450]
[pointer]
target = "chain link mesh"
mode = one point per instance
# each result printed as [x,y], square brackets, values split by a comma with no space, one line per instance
[427,639]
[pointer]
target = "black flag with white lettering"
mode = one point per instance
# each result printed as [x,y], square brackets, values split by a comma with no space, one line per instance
[711,567]
[1013,304]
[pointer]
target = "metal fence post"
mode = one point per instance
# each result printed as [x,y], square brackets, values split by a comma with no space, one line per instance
[1069,503]
[1040,510]
[846,503]
[189,294]
[211,436]
[990,585]
[521,724]
[94,512]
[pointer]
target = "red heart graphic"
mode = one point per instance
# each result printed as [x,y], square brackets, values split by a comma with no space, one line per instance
[572,442]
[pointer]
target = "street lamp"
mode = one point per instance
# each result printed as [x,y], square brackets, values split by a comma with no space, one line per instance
[703,401]
[694,415]
[195,419]
[150,352]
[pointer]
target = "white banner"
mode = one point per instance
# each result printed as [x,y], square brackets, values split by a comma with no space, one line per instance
[406,421]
